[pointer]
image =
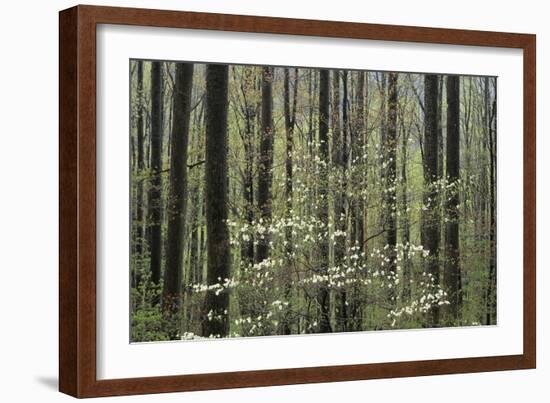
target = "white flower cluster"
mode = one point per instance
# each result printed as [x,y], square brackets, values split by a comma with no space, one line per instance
[421,305]
[211,315]
[190,336]
[308,229]
[218,287]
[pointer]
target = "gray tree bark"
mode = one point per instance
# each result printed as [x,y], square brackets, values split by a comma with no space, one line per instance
[359,136]
[247,250]
[290,121]
[491,133]
[339,165]
[155,199]
[215,321]
[391,168]
[177,199]
[431,219]
[265,170]
[323,297]
[140,157]
[452,275]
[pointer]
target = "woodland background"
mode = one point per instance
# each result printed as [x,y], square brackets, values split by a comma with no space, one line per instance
[270,200]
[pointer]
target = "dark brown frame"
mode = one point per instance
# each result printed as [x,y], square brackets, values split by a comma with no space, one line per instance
[77,207]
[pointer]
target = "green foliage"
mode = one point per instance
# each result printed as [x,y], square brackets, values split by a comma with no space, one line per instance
[147,323]
[372,284]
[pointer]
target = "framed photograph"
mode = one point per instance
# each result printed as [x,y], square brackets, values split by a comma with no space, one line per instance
[254,201]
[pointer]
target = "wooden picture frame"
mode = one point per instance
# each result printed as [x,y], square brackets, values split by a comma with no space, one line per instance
[77,253]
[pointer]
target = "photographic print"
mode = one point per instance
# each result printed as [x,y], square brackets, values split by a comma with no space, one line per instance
[232,187]
[272,201]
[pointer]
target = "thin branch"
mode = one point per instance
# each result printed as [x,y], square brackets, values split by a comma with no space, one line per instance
[193,165]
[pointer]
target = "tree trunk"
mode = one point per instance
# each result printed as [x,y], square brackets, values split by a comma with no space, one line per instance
[346,205]
[265,170]
[339,166]
[491,132]
[138,240]
[383,154]
[177,199]
[405,218]
[323,297]
[452,276]
[215,321]
[358,152]
[155,199]
[391,161]
[140,156]
[359,210]
[290,117]
[440,145]
[247,250]
[431,208]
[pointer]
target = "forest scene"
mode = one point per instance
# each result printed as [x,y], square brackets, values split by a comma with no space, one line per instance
[272,201]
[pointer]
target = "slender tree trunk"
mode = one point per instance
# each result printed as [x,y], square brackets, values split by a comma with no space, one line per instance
[155,199]
[203,262]
[391,168]
[138,240]
[197,204]
[215,321]
[248,106]
[346,151]
[177,199]
[452,276]
[265,170]
[195,268]
[307,208]
[440,145]
[431,208]
[339,165]
[323,297]
[247,250]
[405,218]
[140,156]
[310,130]
[383,155]
[290,117]
[345,127]
[359,209]
[491,131]
[358,153]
